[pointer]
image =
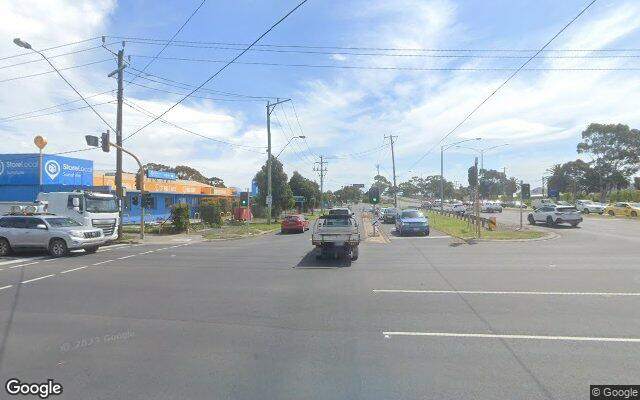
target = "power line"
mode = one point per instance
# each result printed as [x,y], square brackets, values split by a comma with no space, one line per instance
[57,112]
[51,48]
[141,110]
[286,118]
[299,153]
[133,39]
[313,155]
[220,70]
[51,72]
[170,40]
[52,56]
[361,153]
[50,107]
[395,68]
[182,94]
[503,84]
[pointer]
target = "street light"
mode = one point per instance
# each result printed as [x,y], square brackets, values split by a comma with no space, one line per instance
[290,140]
[482,151]
[442,150]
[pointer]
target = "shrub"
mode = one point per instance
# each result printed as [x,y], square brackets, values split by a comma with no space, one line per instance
[180,217]
[210,213]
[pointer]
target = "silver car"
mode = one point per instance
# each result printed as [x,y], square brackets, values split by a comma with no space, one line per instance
[54,233]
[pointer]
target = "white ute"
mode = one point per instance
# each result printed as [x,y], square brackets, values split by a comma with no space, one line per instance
[335,234]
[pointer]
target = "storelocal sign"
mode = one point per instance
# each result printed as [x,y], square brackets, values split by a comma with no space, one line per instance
[22,169]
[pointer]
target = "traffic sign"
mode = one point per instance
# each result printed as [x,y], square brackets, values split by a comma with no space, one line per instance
[269,200]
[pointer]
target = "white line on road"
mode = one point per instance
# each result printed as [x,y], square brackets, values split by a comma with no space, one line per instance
[530,337]
[129,256]
[74,269]
[20,260]
[23,265]
[164,248]
[605,294]
[6,287]
[113,247]
[37,279]
[103,262]
[419,237]
[146,252]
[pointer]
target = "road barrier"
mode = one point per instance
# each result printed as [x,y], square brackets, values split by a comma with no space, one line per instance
[484,222]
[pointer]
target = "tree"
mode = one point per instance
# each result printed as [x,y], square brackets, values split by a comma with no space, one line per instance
[348,194]
[281,192]
[510,187]
[215,181]
[383,183]
[491,183]
[616,154]
[301,186]
[636,183]
[191,174]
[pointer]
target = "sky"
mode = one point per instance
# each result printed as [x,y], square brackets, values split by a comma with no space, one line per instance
[346,93]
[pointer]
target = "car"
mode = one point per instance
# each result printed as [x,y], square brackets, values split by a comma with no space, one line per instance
[588,206]
[456,208]
[412,221]
[490,207]
[340,211]
[427,205]
[294,223]
[537,203]
[553,214]
[335,235]
[57,234]
[389,216]
[623,208]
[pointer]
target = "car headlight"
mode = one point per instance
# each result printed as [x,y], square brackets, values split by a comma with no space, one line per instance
[77,234]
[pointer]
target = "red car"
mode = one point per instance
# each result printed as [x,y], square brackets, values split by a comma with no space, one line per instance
[297,223]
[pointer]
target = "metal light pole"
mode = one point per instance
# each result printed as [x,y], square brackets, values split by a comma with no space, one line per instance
[270,108]
[443,148]
[290,140]
[482,151]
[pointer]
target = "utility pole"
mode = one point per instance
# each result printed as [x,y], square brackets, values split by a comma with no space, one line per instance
[270,108]
[393,161]
[323,170]
[119,193]
[378,168]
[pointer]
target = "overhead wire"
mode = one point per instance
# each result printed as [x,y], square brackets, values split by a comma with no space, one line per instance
[52,72]
[51,48]
[220,70]
[54,106]
[57,112]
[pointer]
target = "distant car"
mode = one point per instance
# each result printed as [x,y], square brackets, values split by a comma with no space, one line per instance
[457,208]
[54,233]
[625,209]
[389,216]
[294,223]
[340,211]
[588,206]
[412,221]
[537,203]
[426,205]
[490,207]
[553,214]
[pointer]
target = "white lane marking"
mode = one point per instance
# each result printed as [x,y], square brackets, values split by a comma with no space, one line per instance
[37,279]
[419,237]
[20,260]
[114,247]
[74,269]
[129,256]
[103,262]
[530,337]
[173,247]
[604,294]
[6,287]
[164,248]
[23,265]
[146,252]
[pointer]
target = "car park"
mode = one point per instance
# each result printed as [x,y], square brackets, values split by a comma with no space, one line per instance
[537,203]
[623,209]
[412,221]
[456,208]
[553,214]
[294,223]
[57,234]
[389,216]
[588,206]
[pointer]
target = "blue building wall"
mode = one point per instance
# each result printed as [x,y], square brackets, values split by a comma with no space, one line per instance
[160,210]
[30,192]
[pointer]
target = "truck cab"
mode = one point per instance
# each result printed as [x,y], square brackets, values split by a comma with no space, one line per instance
[91,209]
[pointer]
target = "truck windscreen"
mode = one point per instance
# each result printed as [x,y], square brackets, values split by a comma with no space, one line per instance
[100,204]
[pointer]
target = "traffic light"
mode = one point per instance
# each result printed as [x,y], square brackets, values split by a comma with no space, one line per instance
[526,191]
[374,195]
[473,176]
[139,181]
[105,141]
[244,199]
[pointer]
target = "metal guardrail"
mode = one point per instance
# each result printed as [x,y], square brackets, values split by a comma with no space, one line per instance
[484,222]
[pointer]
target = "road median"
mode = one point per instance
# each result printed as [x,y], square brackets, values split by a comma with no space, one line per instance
[465,230]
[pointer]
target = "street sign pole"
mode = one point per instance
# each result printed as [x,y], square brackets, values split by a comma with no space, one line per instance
[521,204]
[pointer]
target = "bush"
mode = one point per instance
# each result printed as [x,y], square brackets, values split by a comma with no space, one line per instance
[210,213]
[224,205]
[180,217]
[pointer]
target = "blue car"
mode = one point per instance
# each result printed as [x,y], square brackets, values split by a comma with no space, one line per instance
[412,221]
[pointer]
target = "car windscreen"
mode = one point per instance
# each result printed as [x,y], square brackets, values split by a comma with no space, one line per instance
[390,211]
[412,214]
[566,209]
[339,212]
[100,204]
[636,205]
[291,218]
[62,222]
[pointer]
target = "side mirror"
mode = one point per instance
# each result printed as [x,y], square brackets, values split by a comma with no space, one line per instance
[41,226]
[76,202]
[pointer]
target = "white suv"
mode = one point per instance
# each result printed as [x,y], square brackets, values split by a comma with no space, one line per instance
[552,214]
[588,206]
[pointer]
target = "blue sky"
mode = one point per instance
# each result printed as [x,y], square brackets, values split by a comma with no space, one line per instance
[342,111]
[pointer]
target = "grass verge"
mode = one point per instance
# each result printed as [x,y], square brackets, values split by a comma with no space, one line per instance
[464,230]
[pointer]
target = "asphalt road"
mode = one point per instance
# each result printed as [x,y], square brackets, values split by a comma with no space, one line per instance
[261,318]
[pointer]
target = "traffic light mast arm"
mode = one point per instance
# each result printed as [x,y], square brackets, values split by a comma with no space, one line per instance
[141,185]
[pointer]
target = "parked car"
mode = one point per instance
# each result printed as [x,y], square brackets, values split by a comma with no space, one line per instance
[626,209]
[294,223]
[427,205]
[389,216]
[490,207]
[537,203]
[412,221]
[457,208]
[588,206]
[553,214]
[57,234]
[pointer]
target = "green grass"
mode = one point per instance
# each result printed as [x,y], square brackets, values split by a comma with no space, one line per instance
[235,231]
[464,230]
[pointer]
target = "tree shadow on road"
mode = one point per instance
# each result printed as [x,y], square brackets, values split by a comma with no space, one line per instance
[309,261]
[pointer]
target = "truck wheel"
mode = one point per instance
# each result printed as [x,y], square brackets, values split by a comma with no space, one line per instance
[92,249]
[58,248]
[5,247]
[354,254]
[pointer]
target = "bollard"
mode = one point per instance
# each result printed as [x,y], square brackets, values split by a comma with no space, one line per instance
[492,223]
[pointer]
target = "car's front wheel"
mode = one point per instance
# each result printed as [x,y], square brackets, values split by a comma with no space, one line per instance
[531,220]
[58,248]
[550,221]
[586,211]
[611,213]
[574,224]
[5,247]
[634,214]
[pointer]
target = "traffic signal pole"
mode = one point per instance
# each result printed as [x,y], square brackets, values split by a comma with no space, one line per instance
[119,141]
[141,172]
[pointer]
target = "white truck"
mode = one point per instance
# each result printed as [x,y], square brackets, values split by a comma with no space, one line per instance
[91,209]
[336,234]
